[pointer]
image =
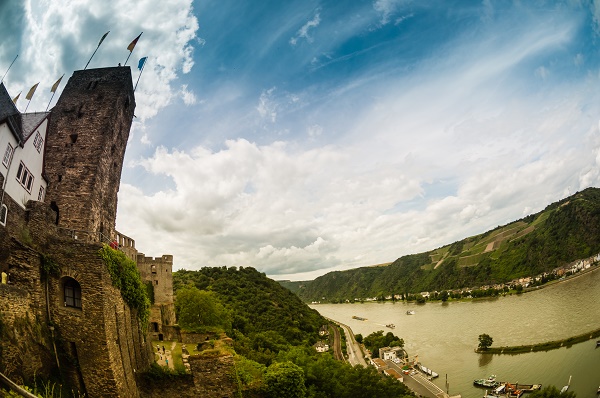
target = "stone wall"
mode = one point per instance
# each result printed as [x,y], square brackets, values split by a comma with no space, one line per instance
[214,377]
[99,346]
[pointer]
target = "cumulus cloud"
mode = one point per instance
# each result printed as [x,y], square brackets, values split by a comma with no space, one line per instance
[60,36]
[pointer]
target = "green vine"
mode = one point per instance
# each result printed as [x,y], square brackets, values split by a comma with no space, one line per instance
[49,266]
[126,277]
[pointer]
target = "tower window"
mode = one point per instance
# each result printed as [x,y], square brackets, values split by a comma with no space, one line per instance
[73,138]
[153,268]
[7,155]
[41,194]
[72,291]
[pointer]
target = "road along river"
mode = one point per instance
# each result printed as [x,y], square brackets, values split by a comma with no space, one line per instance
[444,335]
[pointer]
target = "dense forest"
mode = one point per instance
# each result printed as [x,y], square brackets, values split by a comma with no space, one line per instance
[565,231]
[273,334]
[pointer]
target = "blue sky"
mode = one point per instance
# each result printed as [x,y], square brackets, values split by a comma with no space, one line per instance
[300,137]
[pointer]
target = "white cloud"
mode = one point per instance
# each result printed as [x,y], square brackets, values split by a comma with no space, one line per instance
[303,32]
[387,8]
[315,130]
[267,108]
[60,36]
[189,98]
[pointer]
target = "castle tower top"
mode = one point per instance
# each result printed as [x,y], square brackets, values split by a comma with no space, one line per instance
[85,147]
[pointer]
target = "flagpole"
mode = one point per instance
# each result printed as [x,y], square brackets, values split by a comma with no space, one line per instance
[50,101]
[101,40]
[54,87]
[141,71]
[131,46]
[11,64]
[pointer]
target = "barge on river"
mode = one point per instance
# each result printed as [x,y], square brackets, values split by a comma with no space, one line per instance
[359,318]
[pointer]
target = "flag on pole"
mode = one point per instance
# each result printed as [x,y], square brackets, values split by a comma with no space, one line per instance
[103,37]
[31,91]
[142,63]
[55,85]
[16,98]
[131,45]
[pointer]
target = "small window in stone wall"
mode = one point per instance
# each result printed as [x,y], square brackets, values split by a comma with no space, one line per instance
[3,214]
[156,282]
[72,291]
[153,269]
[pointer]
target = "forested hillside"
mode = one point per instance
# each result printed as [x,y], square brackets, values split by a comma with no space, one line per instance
[273,334]
[563,232]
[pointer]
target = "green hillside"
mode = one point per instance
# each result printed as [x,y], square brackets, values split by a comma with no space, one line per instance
[563,232]
[273,333]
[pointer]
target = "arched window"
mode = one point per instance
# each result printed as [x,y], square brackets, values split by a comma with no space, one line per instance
[72,291]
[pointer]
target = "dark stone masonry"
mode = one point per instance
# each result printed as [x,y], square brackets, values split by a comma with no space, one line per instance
[72,321]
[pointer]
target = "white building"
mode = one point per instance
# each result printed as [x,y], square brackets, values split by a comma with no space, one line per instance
[22,141]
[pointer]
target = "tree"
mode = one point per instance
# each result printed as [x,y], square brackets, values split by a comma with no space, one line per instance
[359,338]
[285,379]
[444,296]
[197,309]
[551,392]
[485,341]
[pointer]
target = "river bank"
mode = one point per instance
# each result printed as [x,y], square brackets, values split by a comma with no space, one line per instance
[549,345]
[445,335]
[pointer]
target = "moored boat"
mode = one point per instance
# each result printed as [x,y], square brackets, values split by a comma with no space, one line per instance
[566,388]
[529,387]
[490,382]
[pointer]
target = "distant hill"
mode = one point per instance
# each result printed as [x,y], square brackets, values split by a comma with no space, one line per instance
[563,232]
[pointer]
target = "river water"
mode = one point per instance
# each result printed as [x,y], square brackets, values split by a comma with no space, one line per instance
[444,335]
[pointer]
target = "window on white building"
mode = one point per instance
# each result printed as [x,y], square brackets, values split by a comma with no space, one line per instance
[25,177]
[41,194]
[7,155]
[3,213]
[37,142]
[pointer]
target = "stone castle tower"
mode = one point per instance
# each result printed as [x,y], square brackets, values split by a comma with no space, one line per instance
[71,318]
[88,133]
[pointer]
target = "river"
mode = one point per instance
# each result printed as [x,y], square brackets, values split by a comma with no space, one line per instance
[444,335]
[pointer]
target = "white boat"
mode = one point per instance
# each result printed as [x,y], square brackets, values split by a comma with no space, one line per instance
[565,388]
[410,312]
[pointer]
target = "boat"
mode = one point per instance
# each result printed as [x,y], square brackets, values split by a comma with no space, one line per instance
[529,387]
[512,390]
[427,371]
[390,325]
[410,312]
[597,343]
[359,318]
[490,382]
[598,392]
[492,395]
[566,388]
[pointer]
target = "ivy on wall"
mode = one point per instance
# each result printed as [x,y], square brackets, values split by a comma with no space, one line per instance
[126,277]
